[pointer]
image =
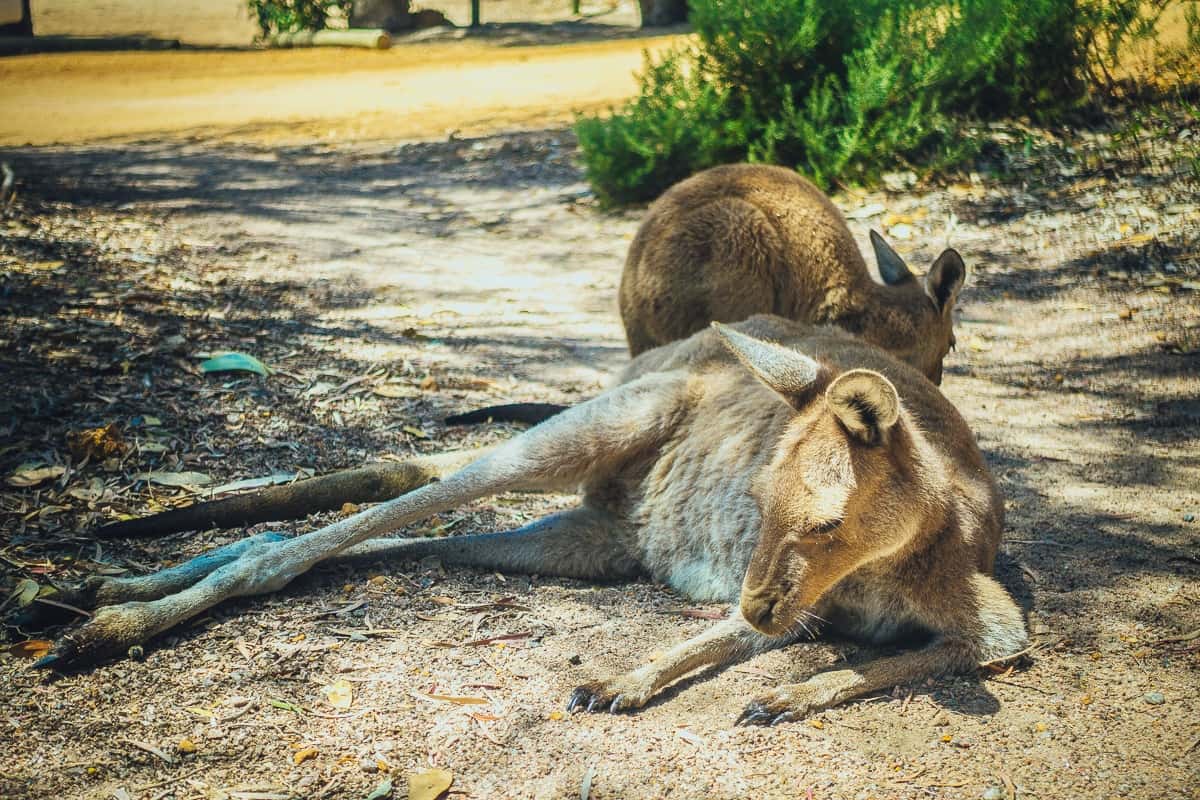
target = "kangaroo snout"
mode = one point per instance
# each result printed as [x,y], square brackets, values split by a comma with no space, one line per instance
[765,608]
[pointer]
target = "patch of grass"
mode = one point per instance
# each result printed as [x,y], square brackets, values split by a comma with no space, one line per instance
[844,90]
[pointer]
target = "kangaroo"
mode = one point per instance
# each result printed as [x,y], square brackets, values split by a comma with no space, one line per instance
[746,239]
[812,480]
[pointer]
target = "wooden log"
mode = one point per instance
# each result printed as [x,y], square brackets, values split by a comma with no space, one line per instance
[371,38]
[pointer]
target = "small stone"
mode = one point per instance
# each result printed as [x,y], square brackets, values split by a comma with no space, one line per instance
[575,660]
[942,719]
[1189,517]
[368,765]
[993,793]
[1154,698]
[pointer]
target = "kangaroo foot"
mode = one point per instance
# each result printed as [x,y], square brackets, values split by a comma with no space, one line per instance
[622,693]
[796,701]
[132,610]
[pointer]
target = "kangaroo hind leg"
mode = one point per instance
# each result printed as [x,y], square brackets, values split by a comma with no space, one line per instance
[589,440]
[581,543]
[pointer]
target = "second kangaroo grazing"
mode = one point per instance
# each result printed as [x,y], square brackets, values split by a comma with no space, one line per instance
[746,239]
[808,478]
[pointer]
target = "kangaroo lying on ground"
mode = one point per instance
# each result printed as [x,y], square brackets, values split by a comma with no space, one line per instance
[747,239]
[815,482]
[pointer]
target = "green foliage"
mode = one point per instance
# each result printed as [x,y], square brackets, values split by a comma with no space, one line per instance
[285,16]
[845,89]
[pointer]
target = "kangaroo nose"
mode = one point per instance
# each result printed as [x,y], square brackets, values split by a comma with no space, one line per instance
[759,613]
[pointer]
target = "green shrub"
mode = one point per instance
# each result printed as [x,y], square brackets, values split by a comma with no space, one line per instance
[845,89]
[285,16]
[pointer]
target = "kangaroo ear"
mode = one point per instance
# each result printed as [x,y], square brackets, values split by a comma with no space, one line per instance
[865,402]
[788,372]
[945,279]
[892,268]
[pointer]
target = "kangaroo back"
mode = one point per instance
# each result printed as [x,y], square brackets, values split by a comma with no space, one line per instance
[746,239]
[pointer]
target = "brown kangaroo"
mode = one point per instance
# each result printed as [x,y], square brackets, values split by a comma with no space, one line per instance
[814,481]
[746,239]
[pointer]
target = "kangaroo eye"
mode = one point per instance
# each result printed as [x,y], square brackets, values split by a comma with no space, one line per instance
[828,527]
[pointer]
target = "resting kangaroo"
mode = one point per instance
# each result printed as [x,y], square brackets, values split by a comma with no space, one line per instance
[815,481]
[747,239]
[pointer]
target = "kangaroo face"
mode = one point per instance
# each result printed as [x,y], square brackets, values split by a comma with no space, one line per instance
[913,319]
[843,489]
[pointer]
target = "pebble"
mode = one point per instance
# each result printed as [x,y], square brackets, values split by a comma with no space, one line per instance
[1154,698]
[368,765]
[1189,517]
[993,793]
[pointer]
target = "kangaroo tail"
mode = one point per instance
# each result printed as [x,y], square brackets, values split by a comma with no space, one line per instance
[529,413]
[369,484]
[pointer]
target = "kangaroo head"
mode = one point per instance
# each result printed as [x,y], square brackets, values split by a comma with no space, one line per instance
[914,318]
[846,485]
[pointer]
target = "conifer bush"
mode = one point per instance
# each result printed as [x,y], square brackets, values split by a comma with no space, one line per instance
[845,89]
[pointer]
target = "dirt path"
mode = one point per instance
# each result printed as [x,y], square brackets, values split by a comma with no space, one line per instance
[412,91]
[391,284]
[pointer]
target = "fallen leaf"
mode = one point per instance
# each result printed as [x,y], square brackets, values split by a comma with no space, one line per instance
[235,362]
[429,383]
[98,443]
[392,390]
[48,266]
[285,705]
[273,479]
[458,700]
[689,737]
[201,712]
[186,746]
[163,478]
[32,648]
[429,784]
[417,432]
[339,694]
[300,756]
[384,789]
[23,593]
[31,474]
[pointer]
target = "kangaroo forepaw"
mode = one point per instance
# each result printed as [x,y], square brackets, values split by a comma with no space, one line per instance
[617,694]
[786,704]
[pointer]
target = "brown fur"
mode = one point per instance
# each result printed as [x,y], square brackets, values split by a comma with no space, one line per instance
[745,239]
[815,481]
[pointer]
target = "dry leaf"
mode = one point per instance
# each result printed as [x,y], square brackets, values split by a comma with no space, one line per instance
[429,784]
[186,746]
[98,443]
[339,694]
[163,478]
[33,648]
[300,756]
[458,700]
[28,475]
[201,712]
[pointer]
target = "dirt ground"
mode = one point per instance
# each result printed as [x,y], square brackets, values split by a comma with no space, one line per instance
[392,283]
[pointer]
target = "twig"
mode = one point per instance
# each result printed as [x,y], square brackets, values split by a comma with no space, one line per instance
[1187,637]
[67,606]
[173,779]
[151,749]
[1036,541]
[1033,648]
[1021,686]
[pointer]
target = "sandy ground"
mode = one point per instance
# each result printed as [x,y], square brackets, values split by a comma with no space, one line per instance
[411,91]
[394,283]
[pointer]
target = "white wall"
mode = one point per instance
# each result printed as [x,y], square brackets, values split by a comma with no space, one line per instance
[212,22]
